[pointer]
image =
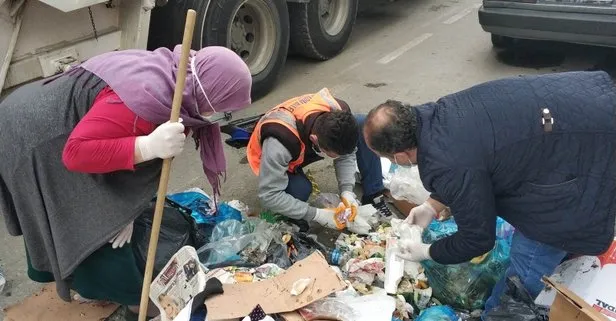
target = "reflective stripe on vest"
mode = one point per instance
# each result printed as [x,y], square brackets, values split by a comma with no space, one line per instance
[287,114]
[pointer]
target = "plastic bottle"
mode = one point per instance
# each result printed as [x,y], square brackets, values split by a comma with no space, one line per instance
[337,257]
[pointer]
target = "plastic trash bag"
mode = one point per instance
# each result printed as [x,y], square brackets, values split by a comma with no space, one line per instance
[244,245]
[516,304]
[326,200]
[374,307]
[405,184]
[299,246]
[465,286]
[202,209]
[438,313]
[177,230]
[227,228]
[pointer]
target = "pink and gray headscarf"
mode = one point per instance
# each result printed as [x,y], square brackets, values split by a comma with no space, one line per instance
[145,81]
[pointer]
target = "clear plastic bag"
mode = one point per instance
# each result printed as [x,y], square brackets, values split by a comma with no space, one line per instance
[405,184]
[227,228]
[465,286]
[374,307]
[327,200]
[242,244]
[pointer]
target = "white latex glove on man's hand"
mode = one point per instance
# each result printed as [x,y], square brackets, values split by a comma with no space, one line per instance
[328,217]
[421,215]
[367,217]
[410,246]
[122,237]
[166,141]
[413,251]
[350,201]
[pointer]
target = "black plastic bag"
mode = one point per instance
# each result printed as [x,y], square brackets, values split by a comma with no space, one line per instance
[516,304]
[177,230]
[300,246]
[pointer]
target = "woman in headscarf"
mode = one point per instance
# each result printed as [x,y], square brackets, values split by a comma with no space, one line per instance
[81,157]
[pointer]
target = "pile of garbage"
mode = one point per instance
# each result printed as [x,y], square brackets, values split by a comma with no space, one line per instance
[374,285]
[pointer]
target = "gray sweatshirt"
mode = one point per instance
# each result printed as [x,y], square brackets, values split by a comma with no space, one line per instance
[273,180]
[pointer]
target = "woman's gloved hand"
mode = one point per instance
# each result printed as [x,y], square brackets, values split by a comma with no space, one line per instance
[421,215]
[122,237]
[332,218]
[166,141]
[350,201]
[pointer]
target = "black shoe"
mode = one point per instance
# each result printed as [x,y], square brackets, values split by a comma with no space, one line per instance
[378,201]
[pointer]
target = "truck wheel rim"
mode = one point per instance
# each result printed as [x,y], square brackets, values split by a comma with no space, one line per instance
[333,15]
[252,34]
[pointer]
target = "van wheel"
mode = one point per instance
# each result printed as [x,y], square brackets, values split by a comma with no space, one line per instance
[321,28]
[502,42]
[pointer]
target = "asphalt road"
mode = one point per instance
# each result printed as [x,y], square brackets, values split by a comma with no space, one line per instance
[410,50]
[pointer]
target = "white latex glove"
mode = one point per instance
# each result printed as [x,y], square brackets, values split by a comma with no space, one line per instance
[166,141]
[367,217]
[122,237]
[413,251]
[350,201]
[410,246]
[359,226]
[421,215]
[326,217]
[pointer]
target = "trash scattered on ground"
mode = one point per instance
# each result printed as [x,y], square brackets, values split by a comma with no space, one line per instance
[274,295]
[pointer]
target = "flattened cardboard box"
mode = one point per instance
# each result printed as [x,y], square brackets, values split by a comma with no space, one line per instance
[274,295]
[568,306]
[47,306]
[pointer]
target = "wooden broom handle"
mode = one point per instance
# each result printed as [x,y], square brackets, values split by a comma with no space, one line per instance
[164,177]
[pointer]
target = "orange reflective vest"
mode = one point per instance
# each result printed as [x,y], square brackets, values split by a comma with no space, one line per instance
[288,114]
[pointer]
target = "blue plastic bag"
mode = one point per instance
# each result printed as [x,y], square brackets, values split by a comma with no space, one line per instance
[201,207]
[467,286]
[438,313]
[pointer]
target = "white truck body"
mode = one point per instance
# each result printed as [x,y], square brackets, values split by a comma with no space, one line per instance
[42,38]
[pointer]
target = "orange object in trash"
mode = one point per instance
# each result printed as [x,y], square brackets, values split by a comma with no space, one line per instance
[609,257]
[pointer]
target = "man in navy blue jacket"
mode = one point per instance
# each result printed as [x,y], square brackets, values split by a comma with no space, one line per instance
[539,151]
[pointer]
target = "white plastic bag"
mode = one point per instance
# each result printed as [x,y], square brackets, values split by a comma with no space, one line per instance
[406,185]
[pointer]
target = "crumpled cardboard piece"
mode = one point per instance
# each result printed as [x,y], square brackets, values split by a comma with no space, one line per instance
[46,305]
[274,295]
[568,306]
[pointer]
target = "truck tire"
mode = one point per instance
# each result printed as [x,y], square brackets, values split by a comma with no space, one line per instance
[257,30]
[321,28]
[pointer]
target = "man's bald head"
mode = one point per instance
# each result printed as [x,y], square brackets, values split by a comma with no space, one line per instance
[391,128]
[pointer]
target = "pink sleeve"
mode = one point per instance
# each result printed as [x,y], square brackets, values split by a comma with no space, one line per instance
[104,139]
